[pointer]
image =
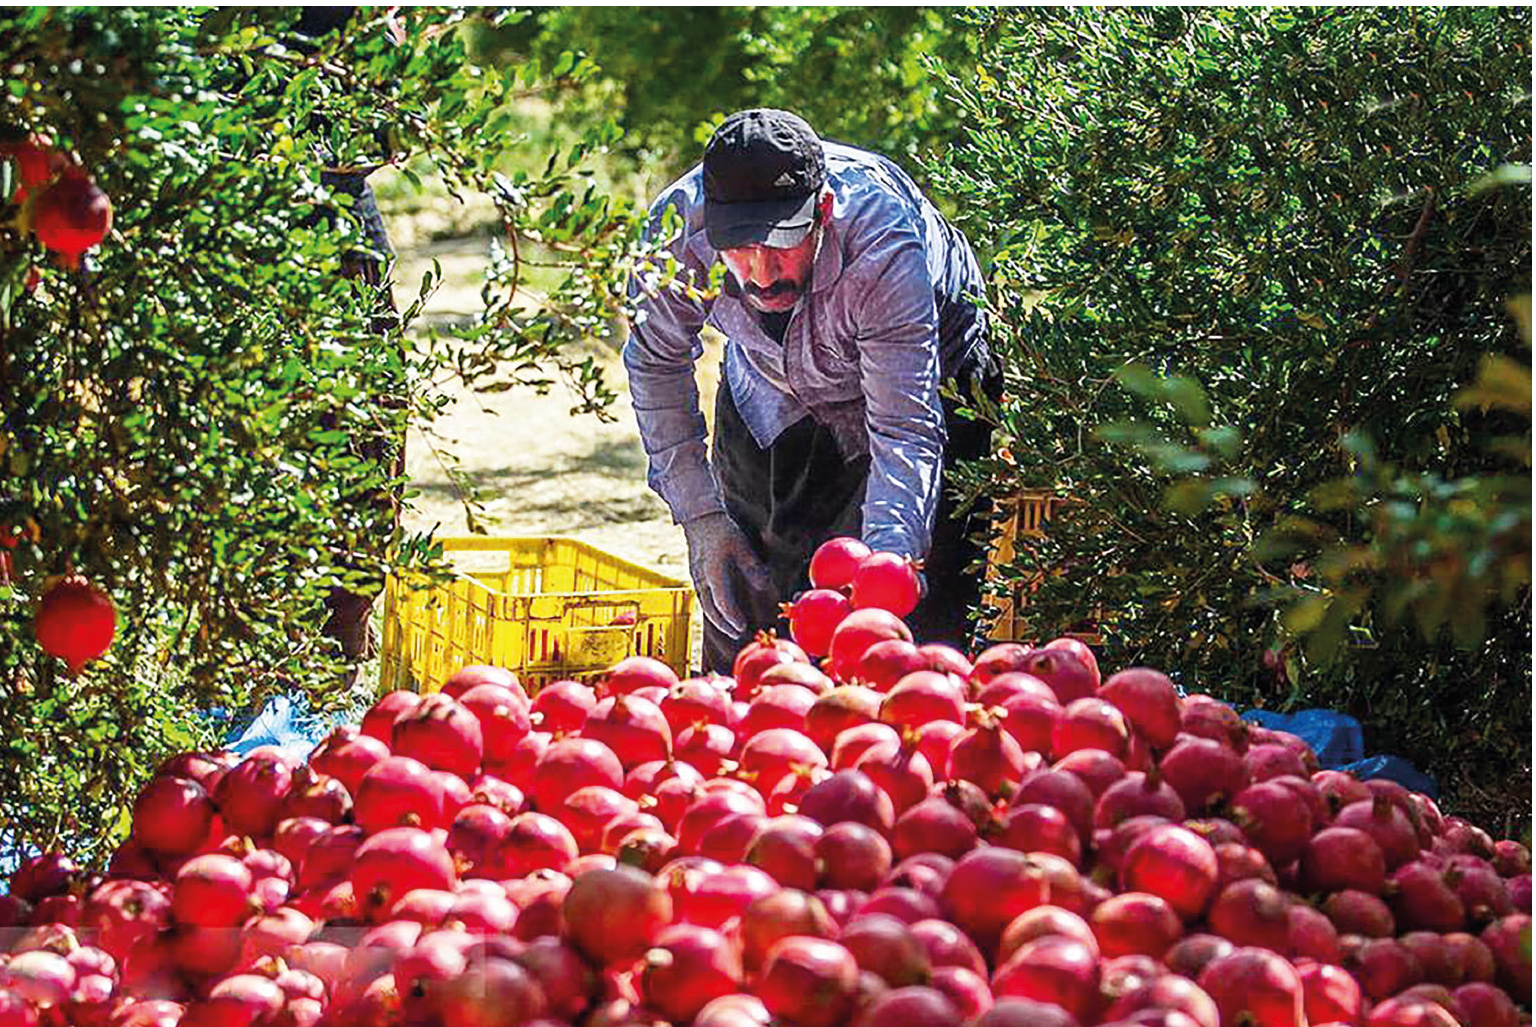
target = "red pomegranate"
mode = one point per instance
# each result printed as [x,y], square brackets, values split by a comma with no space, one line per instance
[441,733]
[887,662]
[1174,863]
[1053,969]
[398,791]
[1204,772]
[380,719]
[72,215]
[1343,857]
[1509,939]
[1149,701]
[393,862]
[562,706]
[1036,827]
[1065,670]
[835,562]
[771,918]
[814,616]
[1137,794]
[1255,986]
[757,657]
[1385,821]
[849,795]
[213,890]
[635,729]
[569,764]
[687,968]
[614,916]
[636,672]
[839,709]
[172,816]
[697,699]
[809,982]
[1090,723]
[505,717]
[1277,821]
[858,631]
[1312,935]
[915,1006]
[75,621]
[989,887]
[36,163]
[1383,967]
[475,674]
[886,581]
[1210,718]
[1252,912]
[1135,923]
[1486,1006]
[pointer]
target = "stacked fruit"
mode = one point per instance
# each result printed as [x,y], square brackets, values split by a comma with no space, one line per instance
[894,835]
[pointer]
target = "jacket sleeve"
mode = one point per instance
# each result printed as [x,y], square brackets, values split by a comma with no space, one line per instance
[659,358]
[899,369]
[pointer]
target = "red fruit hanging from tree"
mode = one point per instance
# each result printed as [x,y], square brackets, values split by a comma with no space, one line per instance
[71,216]
[75,621]
[36,163]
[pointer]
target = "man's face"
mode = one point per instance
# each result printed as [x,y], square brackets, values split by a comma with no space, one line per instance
[773,278]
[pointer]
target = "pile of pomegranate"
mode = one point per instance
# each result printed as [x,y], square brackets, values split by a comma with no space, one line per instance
[851,829]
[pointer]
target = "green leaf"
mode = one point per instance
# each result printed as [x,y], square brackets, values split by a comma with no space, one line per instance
[1126,433]
[1304,616]
[1325,642]
[1139,379]
[1502,176]
[1226,441]
[1188,398]
[1502,384]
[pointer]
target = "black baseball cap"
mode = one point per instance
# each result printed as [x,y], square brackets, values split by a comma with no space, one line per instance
[763,170]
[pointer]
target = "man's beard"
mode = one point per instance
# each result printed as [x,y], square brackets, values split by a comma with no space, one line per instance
[783,287]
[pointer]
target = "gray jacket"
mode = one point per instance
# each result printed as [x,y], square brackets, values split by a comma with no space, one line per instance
[892,307]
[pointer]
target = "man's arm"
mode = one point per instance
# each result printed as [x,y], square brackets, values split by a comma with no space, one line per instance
[659,358]
[899,364]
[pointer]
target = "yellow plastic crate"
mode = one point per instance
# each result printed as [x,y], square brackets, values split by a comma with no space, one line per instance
[544,608]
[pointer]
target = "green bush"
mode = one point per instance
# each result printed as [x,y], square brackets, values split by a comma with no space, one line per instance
[670,74]
[1245,260]
[203,419]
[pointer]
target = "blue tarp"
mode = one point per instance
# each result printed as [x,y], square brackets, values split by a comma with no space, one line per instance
[1340,745]
[284,722]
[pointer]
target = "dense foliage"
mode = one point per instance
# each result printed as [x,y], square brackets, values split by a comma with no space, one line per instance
[1246,261]
[859,74]
[203,419]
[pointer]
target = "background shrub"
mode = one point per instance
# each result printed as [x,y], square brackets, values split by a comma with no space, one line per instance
[1245,260]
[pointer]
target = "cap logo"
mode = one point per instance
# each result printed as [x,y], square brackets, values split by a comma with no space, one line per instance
[784,179]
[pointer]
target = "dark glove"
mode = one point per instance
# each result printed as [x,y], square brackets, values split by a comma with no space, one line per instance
[727,575]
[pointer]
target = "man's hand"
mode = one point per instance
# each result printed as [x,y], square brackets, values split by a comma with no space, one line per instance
[727,575]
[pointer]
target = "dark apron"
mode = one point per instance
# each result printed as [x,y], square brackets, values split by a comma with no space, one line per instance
[800,491]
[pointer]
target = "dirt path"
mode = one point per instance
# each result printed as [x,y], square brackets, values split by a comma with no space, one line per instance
[543,470]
